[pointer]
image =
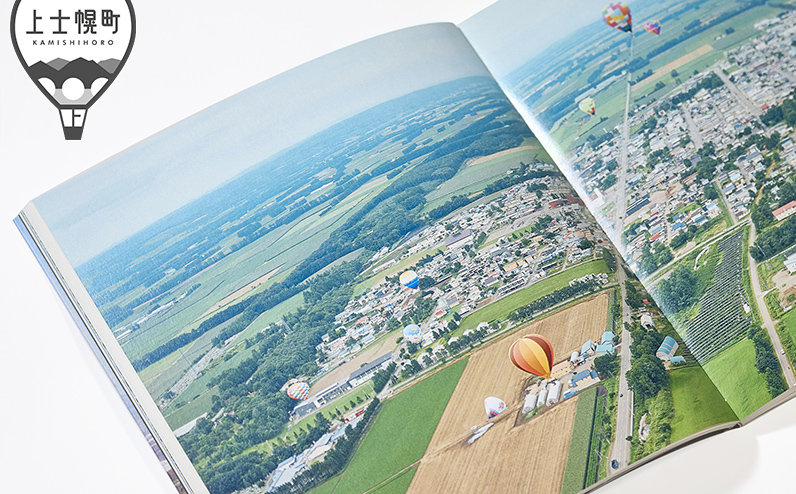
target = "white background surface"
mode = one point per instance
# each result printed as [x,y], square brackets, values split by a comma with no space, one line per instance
[62,427]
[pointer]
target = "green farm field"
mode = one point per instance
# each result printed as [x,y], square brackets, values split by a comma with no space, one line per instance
[579,445]
[697,403]
[474,177]
[502,308]
[406,423]
[398,484]
[734,374]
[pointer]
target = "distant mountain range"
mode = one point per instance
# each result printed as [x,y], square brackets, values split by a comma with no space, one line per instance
[59,70]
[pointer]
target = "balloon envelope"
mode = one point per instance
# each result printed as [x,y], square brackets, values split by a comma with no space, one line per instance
[409,278]
[494,406]
[653,26]
[412,333]
[298,391]
[617,15]
[533,354]
[587,105]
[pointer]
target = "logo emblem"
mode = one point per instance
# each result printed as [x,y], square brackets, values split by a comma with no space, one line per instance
[73,50]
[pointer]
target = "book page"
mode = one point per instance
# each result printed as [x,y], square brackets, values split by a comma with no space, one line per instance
[356,245]
[671,120]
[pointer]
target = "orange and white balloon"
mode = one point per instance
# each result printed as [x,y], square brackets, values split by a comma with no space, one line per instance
[533,354]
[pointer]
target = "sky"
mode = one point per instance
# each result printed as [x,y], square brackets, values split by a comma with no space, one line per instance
[510,32]
[131,190]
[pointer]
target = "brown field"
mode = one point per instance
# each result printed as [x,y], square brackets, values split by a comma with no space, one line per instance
[490,373]
[676,64]
[503,460]
[370,354]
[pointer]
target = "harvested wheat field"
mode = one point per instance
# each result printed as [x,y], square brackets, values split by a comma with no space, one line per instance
[490,372]
[506,448]
[529,457]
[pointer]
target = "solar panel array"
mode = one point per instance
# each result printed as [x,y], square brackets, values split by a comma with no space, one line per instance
[722,318]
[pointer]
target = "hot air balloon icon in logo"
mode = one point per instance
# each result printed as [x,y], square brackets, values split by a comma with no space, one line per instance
[73,50]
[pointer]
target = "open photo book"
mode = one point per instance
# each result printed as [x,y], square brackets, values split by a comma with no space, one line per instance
[529,253]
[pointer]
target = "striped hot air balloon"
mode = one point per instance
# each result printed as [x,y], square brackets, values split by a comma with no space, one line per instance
[409,278]
[533,354]
[298,391]
[617,15]
[412,333]
[653,27]
[494,406]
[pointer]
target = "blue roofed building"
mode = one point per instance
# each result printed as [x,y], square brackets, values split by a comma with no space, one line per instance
[679,359]
[667,349]
[587,347]
[604,348]
[580,376]
[607,337]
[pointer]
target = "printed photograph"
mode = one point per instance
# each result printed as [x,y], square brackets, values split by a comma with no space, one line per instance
[674,120]
[368,275]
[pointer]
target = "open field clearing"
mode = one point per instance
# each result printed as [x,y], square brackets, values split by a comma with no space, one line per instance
[243,291]
[379,348]
[536,448]
[398,484]
[669,67]
[697,403]
[734,374]
[491,373]
[482,159]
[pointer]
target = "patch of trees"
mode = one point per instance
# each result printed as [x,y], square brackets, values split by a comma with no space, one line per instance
[467,340]
[647,376]
[610,260]
[575,290]
[766,361]
[678,291]
[382,377]
[783,112]
[775,239]
[607,365]
[651,261]
[633,297]
[608,182]
[658,156]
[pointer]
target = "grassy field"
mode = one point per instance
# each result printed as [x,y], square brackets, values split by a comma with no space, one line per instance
[697,403]
[734,374]
[327,487]
[402,431]
[579,444]
[398,484]
[475,177]
[500,310]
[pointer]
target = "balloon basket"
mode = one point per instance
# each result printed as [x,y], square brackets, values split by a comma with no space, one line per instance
[72,120]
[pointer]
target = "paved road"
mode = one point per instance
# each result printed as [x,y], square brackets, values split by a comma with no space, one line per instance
[620,450]
[742,97]
[620,200]
[726,204]
[693,130]
[768,323]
